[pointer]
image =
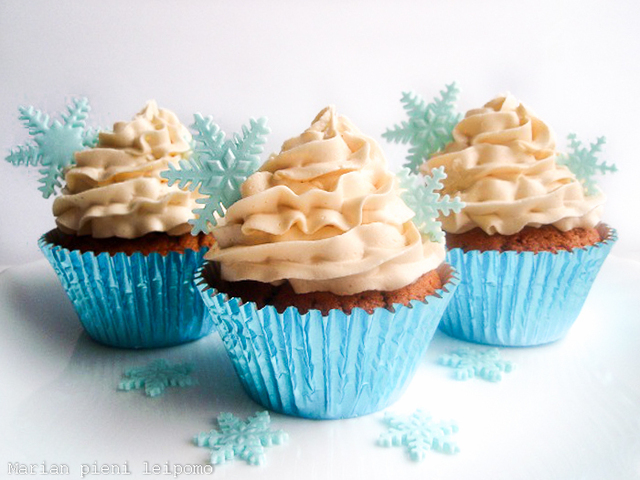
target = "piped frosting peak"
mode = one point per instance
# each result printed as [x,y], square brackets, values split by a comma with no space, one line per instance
[502,164]
[115,189]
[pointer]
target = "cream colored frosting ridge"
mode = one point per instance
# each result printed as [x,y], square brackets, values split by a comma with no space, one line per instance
[324,214]
[502,164]
[115,189]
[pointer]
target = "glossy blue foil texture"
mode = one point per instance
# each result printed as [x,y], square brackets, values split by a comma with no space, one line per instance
[133,301]
[521,299]
[326,367]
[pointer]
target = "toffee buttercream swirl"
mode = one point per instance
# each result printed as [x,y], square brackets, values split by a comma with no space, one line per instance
[502,164]
[324,214]
[115,189]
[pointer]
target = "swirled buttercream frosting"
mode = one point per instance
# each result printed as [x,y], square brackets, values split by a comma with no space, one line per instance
[115,189]
[324,214]
[502,164]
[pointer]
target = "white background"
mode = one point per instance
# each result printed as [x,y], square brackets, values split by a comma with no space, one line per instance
[575,403]
[574,63]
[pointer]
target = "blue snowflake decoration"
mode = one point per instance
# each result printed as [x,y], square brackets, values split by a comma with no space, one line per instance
[429,127]
[470,363]
[420,434]
[420,195]
[583,162]
[157,376]
[241,439]
[54,143]
[218,167]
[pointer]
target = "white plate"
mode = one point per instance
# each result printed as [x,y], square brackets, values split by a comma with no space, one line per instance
[570,410]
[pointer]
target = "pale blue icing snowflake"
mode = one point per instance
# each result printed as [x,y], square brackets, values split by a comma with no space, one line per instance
[583,162]
[156,376]
[242,439]
[419,433]
[420,195]
[470,363]
[218,167]
[429,127]
[54,142]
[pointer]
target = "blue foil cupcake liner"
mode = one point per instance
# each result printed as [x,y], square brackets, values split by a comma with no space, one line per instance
[521,299]
[133,301]
[325,367]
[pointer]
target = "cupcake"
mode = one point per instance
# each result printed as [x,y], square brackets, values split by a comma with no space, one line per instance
[529,241]
[122,247]
[325,293]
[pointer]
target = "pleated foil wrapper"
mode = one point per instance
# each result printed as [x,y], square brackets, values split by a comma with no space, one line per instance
[133,301]
[521,299]
[326,367]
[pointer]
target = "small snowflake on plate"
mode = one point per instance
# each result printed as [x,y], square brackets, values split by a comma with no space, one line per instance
[470,363]
[429,127]
[156,376]
[420,434]
[54,142]
[218,167]
[583,162]
[242,439]
[420,195]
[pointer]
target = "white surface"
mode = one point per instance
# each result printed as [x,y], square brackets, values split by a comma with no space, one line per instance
[574,62]
[570,410]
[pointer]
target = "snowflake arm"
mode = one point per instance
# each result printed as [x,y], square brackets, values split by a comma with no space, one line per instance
[245,440]
[208,212]
[218,167]
[36,122]
[77,113]
[90,137]
[420,434]
[54,142]
[399,133]
[429,127]
[248,147]
[208,139]
[27,155]
[420,195]
[50,180]
[417,155]
[469,363]
[156,376]
[583,162]
[416,108]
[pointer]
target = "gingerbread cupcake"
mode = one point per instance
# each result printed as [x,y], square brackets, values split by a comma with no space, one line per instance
[122,247]
[324,291]
[529,241]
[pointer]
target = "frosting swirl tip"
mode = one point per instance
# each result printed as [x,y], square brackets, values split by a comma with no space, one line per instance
[115,189]
[324,214]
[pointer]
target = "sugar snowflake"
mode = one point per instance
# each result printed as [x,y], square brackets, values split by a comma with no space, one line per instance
[429,127]
[470,363]
[156,376]
[584,163]
[218,167]
[243,439]
[420,195]
[54,142]
[419,433]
